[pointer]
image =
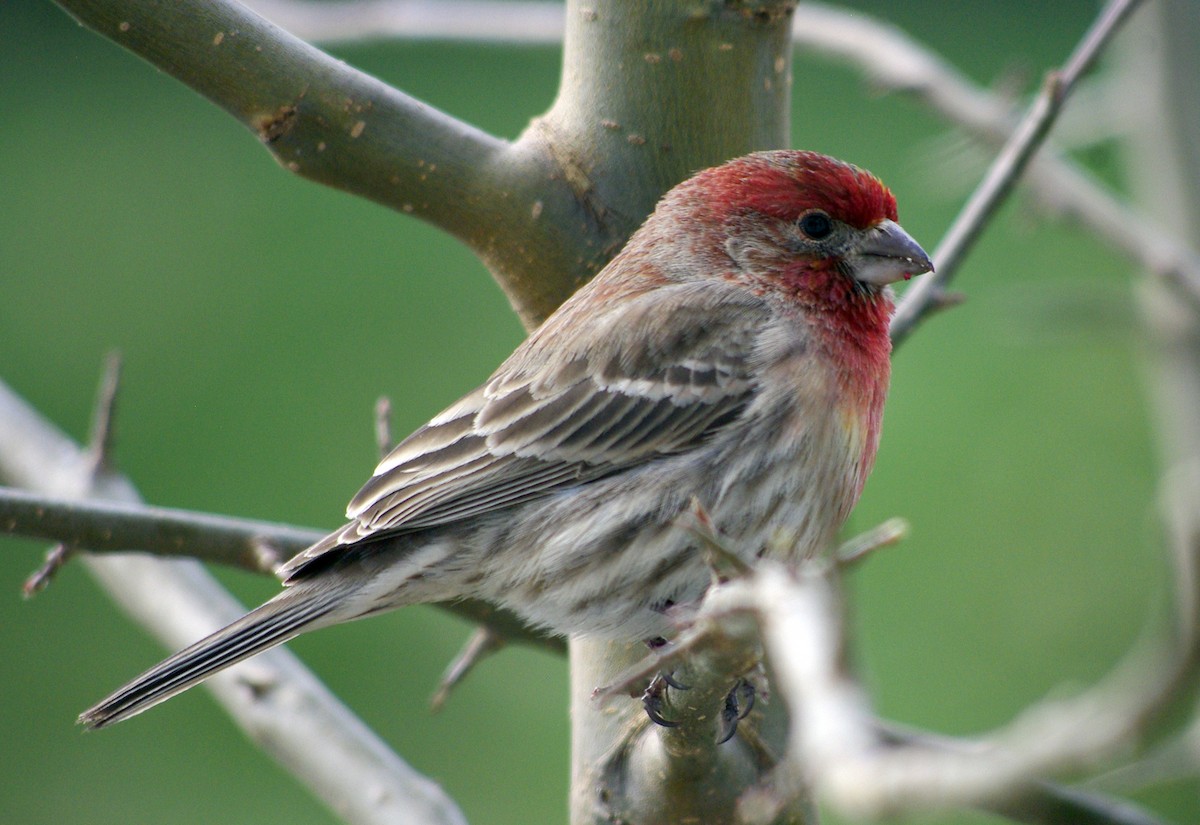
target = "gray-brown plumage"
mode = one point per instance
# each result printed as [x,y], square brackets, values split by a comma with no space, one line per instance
[734,352]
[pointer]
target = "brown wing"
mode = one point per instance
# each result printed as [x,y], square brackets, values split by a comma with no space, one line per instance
[628,392]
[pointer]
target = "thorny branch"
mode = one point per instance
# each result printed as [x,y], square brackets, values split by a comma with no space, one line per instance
[794,621]
[888,56]
[98,456]
[256,546]
[928,293]
[859,743]
[836,741]
[282,707]
[837,748]
[893,60]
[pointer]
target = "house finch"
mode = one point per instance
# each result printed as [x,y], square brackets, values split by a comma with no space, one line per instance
[735,352]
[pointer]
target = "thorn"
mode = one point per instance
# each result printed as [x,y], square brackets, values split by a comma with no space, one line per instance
[946,300]
[383,425]
[1054,86]
[39,580]
[101,437]
[98,458]
[648,671]
[483,642]
[267,555]
[260,681]
[854,550]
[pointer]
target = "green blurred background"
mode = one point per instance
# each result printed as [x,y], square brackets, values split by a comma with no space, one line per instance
[260,317]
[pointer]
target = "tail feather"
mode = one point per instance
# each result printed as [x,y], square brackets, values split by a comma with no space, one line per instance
[286,616]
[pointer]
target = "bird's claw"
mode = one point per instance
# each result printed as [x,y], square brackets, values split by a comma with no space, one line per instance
[746,694]
[655,696]
[671,681]
[738,704]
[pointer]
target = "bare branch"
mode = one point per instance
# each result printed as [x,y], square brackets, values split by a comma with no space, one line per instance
[545,212]
[1176,760]
[56,559]
[926,295]
[837,750]
[1040,802]
[278,703]
[835,746]
[1045,803]
[894,61]
[322,119]
[854,550]
[517,21]
[102,436]
[483,643]
[328,122]
[117,527]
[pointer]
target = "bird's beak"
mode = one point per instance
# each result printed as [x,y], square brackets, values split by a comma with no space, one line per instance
[887,254]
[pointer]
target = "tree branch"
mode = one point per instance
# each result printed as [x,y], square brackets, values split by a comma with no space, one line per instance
[515,205]
[530,22]
[1045,803]
[321,119]
[836,747]
[1038,803]
[256,546]
[894,771]
[886,54]
[559,149]
[544,213]
[894,61]
[114,527]
[928,293]
[278,703]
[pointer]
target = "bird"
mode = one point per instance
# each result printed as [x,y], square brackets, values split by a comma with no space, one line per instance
[734,354]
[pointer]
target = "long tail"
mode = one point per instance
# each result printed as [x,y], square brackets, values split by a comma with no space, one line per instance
[286,616]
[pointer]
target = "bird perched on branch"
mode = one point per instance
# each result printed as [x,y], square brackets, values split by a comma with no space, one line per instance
[734,353]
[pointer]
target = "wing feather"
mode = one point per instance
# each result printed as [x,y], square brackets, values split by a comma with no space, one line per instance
[628,394]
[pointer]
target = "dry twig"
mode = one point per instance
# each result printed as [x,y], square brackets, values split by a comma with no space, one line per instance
[285,710]
[928,293]
[482,643]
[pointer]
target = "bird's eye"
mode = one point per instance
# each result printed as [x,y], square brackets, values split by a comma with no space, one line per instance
[816,225]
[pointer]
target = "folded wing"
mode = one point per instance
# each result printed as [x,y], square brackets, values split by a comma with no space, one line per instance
[627,392]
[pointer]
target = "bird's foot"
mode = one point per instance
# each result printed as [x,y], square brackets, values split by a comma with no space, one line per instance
[738,704]
[654,698]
